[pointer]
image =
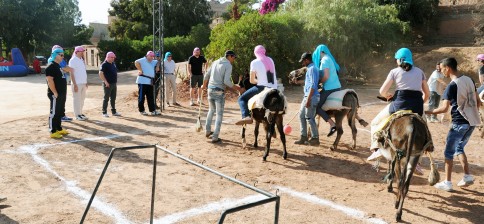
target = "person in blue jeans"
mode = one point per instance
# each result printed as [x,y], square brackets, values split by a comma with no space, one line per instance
[216,81]
[307,112]
[324,60]
[462,97]
[262,74]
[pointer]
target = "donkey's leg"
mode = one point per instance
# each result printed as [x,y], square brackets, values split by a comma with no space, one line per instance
[403,189]
[269,130]
[351,122]
[279,122]
[244,143]
[360,120]
[390,176]
[338,116]
[256,133]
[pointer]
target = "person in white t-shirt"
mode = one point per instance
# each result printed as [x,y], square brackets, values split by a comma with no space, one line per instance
[79,82]
[262,74]
[170,79]
[436,85]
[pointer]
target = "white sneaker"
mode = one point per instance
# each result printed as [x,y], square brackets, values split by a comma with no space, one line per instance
[105,115]
[191,103]
[143,113]
[84,116]
[468,180]
[375,155]
[154,113]
[117,114]
[80,118]
[444,185]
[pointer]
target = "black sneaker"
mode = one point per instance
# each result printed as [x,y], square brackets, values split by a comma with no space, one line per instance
[302,141]
[314,141]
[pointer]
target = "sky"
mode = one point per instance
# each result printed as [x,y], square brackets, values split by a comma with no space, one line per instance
[97,10]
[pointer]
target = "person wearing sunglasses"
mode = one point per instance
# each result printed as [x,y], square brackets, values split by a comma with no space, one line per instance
[57,92]
[66,70]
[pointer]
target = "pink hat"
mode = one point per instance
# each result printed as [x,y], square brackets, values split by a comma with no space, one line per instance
[195,50]
[150,53]
[79,49]
[56,47]
[480,57]
[110,54]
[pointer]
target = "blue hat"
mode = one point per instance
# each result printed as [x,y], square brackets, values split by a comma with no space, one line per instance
[405,55]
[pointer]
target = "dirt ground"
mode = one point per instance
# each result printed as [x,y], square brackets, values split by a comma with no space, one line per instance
[50,181]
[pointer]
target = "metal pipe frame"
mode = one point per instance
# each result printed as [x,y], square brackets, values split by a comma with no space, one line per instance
[111,154]
[158,46]
[271,197]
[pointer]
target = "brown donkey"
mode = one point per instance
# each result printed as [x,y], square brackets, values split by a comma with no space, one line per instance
[406,137]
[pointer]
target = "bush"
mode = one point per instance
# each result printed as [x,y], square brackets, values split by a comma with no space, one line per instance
[280,34]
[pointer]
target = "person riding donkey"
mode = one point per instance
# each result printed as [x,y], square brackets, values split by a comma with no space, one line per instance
[410,94]
[324,60]
[262,73]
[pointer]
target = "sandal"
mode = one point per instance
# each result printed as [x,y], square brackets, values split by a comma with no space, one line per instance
[331,131]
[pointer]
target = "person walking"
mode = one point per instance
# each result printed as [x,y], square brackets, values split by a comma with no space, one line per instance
[435,82]
[262,74]
[56,92]
[307,112]
[146,67]
[196,64]
[79,82]
[170,79]
[109,75]
[324,60]
[461,96]
[217,80]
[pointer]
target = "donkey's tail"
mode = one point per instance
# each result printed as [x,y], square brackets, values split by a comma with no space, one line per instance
[434,175]
[354,109]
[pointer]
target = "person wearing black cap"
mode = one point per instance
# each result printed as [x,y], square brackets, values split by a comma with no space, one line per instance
[307,112]
[216,80]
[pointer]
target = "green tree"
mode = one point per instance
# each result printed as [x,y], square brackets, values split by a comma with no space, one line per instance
[135,18]
[35,25]
[417,12]
[280,34]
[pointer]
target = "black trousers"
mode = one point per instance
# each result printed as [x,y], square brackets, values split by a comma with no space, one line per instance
[57,108]
[109,93]
[157,85]
[145,90]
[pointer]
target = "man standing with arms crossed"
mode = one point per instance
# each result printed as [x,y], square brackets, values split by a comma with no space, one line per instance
[196,64]
[462,97]
[79,82]
[216,80]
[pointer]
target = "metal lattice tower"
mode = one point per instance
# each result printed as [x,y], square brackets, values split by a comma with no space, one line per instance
[158,46]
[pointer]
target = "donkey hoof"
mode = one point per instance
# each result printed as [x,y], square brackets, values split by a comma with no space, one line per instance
[398,218]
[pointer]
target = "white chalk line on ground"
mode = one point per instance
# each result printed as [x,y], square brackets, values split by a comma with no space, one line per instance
[219,206]
[354,213]
[71,186]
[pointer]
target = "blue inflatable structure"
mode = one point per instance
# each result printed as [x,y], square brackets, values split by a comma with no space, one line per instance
[16,68]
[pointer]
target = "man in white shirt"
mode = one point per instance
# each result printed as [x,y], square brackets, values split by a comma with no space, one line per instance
[146,73]
[170,79]
[79,82]
[436,86]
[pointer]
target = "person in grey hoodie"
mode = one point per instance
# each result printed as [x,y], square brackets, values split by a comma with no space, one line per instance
[216,80]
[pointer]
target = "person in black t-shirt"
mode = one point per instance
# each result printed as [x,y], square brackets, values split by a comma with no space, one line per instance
[57,92]
[109,74]
[461,97]
[196,65]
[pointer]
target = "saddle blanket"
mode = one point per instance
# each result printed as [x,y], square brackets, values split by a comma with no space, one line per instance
[257,101]
[385,122]
[335,100]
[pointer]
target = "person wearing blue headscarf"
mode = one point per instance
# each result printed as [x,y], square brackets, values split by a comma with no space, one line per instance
[66,71]
[328,68]
[170,79]
[57,93]
[411,91]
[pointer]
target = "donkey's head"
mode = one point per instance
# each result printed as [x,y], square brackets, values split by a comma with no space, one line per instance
[297,75]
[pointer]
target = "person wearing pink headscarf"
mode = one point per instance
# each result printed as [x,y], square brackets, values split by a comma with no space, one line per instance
[262,74]
[109,75]
[79,82]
